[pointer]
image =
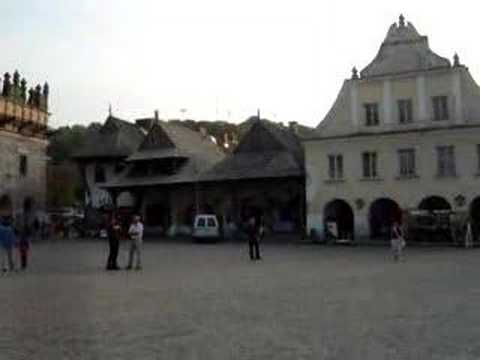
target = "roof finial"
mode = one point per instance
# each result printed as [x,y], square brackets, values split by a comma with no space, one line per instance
[401,20]
[354,73]
[456,60]
[110,114]
[258,114]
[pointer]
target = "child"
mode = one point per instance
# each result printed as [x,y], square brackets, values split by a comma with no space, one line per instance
[24,247]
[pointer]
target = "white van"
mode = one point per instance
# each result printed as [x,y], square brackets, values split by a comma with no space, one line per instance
[206,227]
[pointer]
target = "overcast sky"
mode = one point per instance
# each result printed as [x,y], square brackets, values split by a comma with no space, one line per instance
[217,59]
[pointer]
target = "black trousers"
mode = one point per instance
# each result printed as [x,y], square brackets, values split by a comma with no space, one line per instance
[254,248]
[24,258]
[114,245]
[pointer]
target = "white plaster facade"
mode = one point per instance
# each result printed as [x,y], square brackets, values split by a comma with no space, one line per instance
[98,197]
[404,69]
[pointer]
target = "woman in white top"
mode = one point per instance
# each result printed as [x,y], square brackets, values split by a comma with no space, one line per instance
[135,233]
[397,241]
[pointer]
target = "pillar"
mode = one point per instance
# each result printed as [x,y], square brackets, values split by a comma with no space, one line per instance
[422,99]
[387,102]
[457,96]
[354,110]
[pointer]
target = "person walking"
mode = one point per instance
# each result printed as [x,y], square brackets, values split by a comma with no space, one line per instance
[135,232]
[7,243]
[397,242]
[255,232]
[113,235]
[468,235]
[24,246]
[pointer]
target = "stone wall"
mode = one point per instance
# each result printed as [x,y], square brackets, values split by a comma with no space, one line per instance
[17,187]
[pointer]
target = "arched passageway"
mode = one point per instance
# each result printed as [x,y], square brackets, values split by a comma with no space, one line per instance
[432,203]
[434,223]
[475,217]
[338,215]
[28,205]
[383,213]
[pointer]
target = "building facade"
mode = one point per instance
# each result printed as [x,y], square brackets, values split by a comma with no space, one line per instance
[169,173]
[103,158]
[23,124]
[264,176]
[162,176]
[402,134]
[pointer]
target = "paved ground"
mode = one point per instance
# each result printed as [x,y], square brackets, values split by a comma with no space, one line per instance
[209,302]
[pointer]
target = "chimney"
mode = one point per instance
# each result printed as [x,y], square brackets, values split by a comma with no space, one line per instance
[293,127]
[156,115]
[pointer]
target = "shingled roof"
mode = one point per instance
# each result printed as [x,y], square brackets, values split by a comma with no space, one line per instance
[266,150]
[171,141]
[117,138]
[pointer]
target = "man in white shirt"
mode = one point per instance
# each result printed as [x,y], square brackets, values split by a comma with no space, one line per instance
[136,237]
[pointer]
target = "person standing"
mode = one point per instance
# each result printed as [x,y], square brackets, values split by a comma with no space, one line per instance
[255,231]
[468,236]
[397,242]
[24,246]
[135,232]
[7,242]
[113,234]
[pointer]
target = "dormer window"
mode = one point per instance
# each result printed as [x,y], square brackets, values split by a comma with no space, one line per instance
[440,108]
[405,111]
[371,114]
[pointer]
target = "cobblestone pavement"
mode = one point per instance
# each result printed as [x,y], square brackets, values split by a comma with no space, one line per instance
[209,302]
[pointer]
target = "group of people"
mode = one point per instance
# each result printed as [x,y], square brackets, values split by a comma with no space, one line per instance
[12,238]
[255,228]
[135,236]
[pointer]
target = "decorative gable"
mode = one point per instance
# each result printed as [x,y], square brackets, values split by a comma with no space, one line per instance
[157,138]
[258,139]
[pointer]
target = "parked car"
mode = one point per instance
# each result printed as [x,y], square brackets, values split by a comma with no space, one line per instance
[206,227]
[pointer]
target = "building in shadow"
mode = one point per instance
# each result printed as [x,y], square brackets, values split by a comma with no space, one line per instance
[162,176]
[23,145]
[263,177]
[168,172]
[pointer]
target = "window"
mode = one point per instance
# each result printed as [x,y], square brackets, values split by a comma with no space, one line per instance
[440,108]
[405,111]
[446,161]
[335,167]
[369,165]
[100,176]
[201,222]
[371,114]
[406,159]
[211,223]
[23,165]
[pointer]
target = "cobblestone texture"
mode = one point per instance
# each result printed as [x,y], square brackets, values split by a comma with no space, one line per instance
[209,302]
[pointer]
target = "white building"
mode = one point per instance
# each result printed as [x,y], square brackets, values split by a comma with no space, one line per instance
[404,133]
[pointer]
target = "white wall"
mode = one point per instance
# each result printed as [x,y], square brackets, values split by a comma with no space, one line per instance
[406,192]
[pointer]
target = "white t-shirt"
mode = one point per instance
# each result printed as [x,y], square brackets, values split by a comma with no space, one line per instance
[136,231]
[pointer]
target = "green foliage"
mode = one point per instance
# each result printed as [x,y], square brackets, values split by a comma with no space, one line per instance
[64,179]
[65,140]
